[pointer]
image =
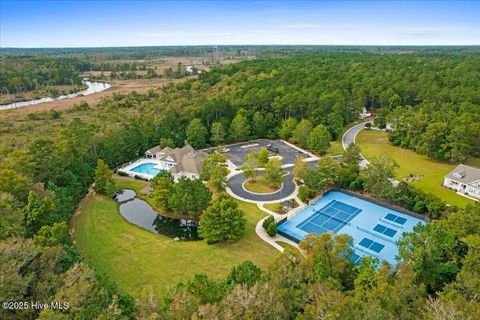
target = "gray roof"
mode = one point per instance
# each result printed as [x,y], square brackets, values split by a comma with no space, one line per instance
[154,150]
[191,163]
[186,158]
[464,174]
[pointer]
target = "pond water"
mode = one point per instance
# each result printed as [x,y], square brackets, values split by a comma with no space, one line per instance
[140,213]
[124,195]
[93,87]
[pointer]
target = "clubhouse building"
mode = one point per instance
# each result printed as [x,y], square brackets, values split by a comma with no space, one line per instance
[180,162]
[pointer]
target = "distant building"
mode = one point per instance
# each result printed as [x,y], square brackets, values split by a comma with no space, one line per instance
[189,69]
[464,179]
[364,114]
[181,162]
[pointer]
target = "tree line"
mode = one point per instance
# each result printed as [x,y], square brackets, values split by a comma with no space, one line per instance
[48,162]
[21,74]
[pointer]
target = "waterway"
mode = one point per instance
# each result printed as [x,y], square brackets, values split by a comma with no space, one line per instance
[93,87]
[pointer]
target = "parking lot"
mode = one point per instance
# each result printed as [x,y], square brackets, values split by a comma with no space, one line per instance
[288,154]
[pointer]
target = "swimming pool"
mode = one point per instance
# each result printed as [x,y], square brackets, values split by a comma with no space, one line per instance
[374,228]
[147,168]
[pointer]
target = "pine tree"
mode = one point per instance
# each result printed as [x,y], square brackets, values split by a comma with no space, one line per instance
[104,183]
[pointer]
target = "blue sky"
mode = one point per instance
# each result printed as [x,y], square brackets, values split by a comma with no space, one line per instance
[92,23]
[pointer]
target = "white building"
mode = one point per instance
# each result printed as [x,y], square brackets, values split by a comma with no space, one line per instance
[181,162]
[464,179]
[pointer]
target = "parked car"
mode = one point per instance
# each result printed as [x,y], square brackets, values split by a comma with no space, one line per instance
[272,148]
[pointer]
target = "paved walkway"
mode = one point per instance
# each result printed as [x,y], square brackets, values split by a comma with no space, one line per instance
[273,241]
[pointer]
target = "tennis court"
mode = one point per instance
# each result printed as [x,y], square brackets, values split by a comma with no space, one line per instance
[332,217]
[374,229]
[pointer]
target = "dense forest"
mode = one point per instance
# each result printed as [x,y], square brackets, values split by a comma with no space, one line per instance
[141,53]
[48,160]
[20,74]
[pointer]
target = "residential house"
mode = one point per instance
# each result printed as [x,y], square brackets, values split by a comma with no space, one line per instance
[464,179]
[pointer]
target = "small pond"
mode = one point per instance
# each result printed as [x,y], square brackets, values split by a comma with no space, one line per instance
[140,213]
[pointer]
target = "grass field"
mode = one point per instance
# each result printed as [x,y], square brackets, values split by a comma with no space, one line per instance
[137,259]
[375,143]
[260,185]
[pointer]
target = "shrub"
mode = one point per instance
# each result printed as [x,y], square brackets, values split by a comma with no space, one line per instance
[419,206]
[245,273]
[304,193]
[356,184]
[272,229]
[122,173]
[267,222]
[270,226]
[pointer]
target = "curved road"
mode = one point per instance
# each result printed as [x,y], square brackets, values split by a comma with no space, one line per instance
[349,138]
[235,184]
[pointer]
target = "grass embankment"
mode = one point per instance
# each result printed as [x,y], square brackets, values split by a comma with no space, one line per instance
[275,207]
[137,259]
[430,172]
[129,183]
[260,185]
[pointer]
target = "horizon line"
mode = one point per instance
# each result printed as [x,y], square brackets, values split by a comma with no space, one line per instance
[257,45]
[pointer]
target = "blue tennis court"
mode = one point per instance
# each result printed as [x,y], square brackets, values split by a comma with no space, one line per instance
[332,217]
[374,229]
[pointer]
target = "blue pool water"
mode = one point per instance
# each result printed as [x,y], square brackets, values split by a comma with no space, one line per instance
[374,229]
[146,168]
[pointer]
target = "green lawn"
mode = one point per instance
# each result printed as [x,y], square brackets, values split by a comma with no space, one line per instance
[137,259]
[375,143]
[335,148]
[260,185]
[129,183]
[275,207]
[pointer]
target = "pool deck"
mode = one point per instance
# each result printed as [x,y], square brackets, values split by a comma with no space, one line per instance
[129,166]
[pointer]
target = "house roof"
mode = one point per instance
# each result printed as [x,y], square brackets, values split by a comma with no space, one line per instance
[191,163]
[154,150]
[186,158]
[465,174]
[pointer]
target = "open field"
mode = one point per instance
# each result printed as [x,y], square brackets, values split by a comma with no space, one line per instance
[137,259]
[118,86]
[375,143]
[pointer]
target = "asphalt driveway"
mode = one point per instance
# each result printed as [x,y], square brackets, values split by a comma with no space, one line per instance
[235,184]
